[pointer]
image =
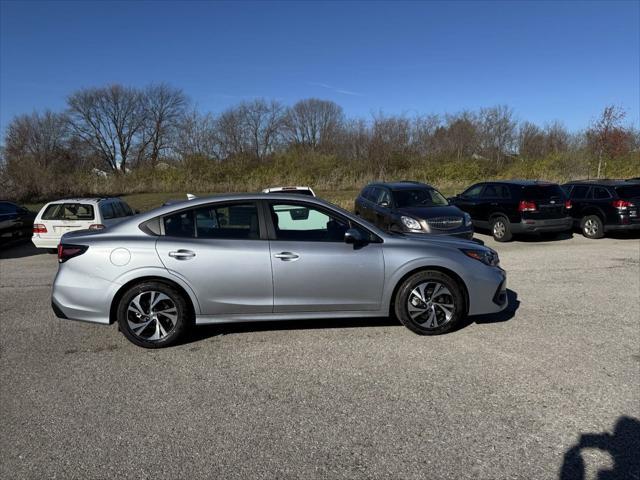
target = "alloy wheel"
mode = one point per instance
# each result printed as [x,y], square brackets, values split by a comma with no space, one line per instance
[152,315]
[430,304]
[499,229]
[590,227]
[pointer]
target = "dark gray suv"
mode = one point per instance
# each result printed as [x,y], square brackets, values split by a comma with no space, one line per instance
[412,207]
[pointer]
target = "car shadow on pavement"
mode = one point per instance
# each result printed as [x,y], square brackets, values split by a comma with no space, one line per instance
[21,250]
[623,445]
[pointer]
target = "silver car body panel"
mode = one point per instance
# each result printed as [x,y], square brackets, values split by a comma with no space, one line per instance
[243,280]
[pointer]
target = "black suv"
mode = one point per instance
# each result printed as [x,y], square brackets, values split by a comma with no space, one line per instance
[516,206]
[600,206]
[411,207]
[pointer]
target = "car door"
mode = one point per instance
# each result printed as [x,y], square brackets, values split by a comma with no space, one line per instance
[469,200]
[314,270]
[488,203]
[221,251]
[368,210]
[579,197]
[382,209]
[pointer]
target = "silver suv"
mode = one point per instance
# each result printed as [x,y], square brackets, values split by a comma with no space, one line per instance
[254,257]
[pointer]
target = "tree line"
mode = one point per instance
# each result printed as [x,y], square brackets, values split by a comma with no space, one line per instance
[115,130]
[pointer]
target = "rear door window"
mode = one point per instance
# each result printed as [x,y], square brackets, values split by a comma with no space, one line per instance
[579,192]
[600,193]
[179,224]
[232,221]
[69,211]
[7,208]
[107,211]
[490,191]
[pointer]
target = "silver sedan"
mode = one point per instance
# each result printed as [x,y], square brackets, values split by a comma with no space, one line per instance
[255,257]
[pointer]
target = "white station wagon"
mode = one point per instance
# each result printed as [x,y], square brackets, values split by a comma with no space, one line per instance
[62,216]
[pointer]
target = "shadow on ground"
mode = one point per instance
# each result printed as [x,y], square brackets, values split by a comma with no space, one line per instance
[21,250]
[206,331]
[623,445]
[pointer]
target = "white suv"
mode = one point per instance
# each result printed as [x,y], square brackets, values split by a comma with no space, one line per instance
[62,216]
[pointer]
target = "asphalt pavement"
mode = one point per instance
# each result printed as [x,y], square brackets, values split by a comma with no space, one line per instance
[549,389]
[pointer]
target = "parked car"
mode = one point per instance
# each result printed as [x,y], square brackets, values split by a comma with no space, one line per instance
[299,190]
[252,257]
[16,222]
[600,206]
[516,206]
[411,207]
[62,216]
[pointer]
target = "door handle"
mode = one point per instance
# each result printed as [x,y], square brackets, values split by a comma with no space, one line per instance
[182,254]
[287,256]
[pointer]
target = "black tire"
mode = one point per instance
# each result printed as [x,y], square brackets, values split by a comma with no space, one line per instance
[501,229]
[592,227]
[421,323]
[173,330]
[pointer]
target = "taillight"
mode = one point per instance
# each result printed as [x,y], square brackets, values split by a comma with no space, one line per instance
[621,204]
[567,204]
[39,228]
[67,251]
[96,226]
[526,206]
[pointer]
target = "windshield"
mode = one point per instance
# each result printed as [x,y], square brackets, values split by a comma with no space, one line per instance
[542,192]
[422,197]
[629,191]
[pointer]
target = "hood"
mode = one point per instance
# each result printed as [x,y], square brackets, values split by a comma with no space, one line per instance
[442,240]
[431,212]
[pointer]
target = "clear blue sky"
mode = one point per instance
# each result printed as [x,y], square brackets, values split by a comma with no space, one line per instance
[547,60]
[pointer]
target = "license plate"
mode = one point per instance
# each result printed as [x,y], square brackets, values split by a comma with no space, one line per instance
[66,229]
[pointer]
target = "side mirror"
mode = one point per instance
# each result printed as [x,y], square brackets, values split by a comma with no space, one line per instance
[353,236]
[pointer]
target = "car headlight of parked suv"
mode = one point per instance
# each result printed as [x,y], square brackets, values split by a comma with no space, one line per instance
[467,219]
[488,257]
[411,223]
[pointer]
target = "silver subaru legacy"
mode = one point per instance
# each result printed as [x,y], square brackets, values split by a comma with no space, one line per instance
[254,257]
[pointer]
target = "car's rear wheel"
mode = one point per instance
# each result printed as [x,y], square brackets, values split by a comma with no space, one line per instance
[501,229]
[153,315]
[430,303]
[592,227]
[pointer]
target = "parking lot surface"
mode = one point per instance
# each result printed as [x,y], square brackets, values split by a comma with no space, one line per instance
[512,396]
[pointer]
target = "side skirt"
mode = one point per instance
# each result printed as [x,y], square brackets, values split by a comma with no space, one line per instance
[269,317]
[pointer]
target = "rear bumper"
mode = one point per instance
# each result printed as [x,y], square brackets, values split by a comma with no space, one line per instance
[540,226]
[45,242]
[615,227]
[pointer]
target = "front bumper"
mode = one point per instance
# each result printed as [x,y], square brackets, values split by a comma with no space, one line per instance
[541,226]
[488,291]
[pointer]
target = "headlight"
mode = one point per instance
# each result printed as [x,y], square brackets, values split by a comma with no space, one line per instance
[467,220]
[488,257]
[411,223]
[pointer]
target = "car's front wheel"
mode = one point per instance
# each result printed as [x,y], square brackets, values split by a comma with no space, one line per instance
[430,303]
[153,315]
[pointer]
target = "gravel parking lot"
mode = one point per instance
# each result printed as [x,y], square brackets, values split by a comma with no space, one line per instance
[513,396]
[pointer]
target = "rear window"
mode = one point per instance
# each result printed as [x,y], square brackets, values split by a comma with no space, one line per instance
[69,211]
[628,191]
[542,192]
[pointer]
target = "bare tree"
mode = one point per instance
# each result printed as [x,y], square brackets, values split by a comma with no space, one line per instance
[531,141]
[313,123]
[42,137]
[607,138]
[111,120]
[196,135]
[462,134]
[163,107]
[232,134]
[390,136]
[498,129]
[423,134]
[263,124]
